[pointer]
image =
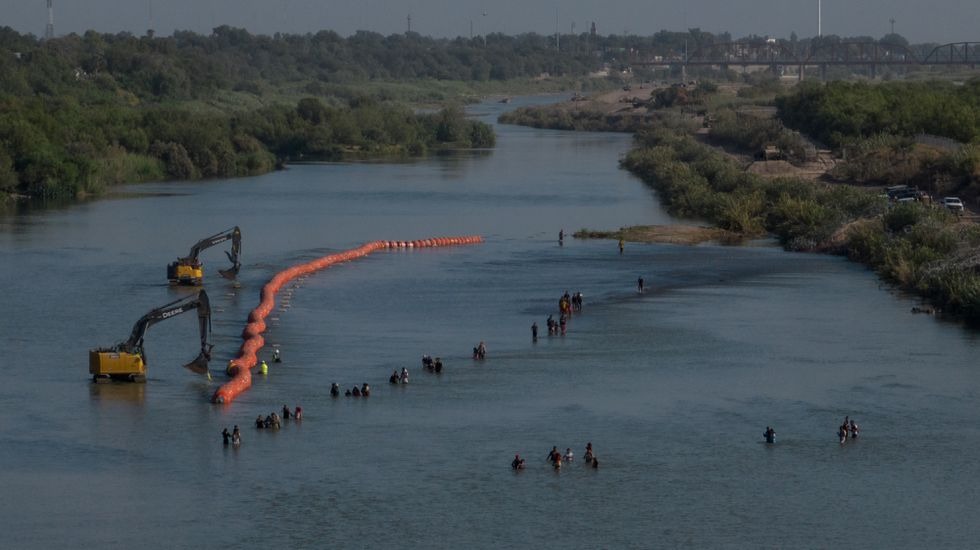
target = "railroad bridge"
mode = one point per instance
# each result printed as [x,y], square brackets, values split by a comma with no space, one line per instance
[775,54]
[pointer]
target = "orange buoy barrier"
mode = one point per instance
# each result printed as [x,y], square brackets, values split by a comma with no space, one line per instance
[240,367]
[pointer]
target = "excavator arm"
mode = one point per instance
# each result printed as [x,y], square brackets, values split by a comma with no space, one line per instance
[127,359]
[187,270]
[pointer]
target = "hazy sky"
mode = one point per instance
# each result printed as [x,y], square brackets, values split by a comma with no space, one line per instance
[917,20]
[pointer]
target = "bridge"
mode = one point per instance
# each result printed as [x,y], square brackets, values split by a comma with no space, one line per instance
[823,54]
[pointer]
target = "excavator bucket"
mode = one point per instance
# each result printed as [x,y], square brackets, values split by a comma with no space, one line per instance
[199,365]
[231,273]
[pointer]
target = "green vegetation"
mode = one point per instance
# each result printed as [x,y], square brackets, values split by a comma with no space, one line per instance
[920,248]
[557,117]
[875,127]
[187,65]
[894,160]
[837,112]
[696,181]
[750,133]
[58,147]
[80,113]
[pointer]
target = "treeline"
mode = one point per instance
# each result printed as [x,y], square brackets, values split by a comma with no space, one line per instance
[837,112]
[59,147]
[919,248]
[79,113]
[188,65]
[558,117]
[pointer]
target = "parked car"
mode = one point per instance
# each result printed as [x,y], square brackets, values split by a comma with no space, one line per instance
[902,193]
[889,191]
[953,204]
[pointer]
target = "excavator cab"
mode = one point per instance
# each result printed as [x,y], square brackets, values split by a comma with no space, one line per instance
[127,360]
[106,364]
[189,270]
[185,273]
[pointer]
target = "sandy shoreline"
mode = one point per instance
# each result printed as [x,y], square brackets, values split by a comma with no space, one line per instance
[665,234]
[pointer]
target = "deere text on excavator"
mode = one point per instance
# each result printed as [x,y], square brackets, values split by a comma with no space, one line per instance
[188,270]
[127,360]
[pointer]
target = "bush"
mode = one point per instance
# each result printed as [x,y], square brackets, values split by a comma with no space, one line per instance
[904,215]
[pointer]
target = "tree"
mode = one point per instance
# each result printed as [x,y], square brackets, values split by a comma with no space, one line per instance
[895,39]
[312,110]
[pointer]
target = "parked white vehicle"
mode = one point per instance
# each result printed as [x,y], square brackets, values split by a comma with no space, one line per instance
[953,204]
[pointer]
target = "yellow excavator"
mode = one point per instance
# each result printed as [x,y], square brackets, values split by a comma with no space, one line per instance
[188,270]
[127,360]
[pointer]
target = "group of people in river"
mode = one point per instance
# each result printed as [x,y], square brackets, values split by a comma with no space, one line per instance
[233,437]
[480,351]
[556,458]
[428,363]
[363,391]
[554,327]
[435,365]
[566,305]
[273,421]
[397,378]
[570,302]
[848,427]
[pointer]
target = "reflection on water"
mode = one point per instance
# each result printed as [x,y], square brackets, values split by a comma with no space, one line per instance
[117,393]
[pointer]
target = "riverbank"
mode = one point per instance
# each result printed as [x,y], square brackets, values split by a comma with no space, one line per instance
[98,147]
[240,134]
[665,234]
[619,110]
[922,249]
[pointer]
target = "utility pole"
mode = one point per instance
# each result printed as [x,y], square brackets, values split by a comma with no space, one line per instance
[557,33]
[892,21]
[409,23]
[49,28]
[819,18]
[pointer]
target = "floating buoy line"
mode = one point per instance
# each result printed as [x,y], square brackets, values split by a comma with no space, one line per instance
[240,368]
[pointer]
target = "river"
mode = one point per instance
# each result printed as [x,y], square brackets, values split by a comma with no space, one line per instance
[673,387]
